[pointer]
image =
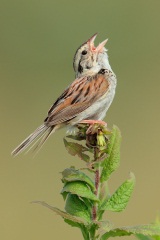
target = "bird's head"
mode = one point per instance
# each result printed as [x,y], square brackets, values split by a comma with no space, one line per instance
[90,58]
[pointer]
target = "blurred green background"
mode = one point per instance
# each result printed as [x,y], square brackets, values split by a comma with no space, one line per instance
[37,42]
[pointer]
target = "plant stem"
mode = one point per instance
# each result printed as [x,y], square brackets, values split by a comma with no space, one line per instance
[97,179]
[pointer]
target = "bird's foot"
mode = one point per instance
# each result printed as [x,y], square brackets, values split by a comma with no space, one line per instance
[91,122]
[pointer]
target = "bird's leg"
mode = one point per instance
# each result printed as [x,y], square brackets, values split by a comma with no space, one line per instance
[91,122]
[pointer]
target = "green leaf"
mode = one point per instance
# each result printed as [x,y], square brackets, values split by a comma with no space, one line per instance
[62,213]
[88,203]
[77,149]
[85,232]
[142,237]
[79,188]
[119,200]
[115,233]
[111,163]
[105,226]
[76,207]
[147,230]
[70,175]
[73,224]
[84,229]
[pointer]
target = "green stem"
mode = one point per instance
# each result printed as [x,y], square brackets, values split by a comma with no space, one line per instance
[97,181]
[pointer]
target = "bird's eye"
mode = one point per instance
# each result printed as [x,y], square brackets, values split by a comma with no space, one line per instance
[84,52]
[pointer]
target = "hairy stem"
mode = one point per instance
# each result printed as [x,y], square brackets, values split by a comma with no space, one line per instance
[97,179]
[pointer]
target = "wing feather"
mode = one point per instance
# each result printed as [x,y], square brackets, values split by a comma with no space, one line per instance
[80,95]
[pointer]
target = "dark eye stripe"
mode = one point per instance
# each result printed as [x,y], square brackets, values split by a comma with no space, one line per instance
[80,68]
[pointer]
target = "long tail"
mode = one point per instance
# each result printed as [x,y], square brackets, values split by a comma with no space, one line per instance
[42,132]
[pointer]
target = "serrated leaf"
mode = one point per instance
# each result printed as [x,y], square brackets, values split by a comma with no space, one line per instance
[77,149]
[147,230]
[119,200]
[111,163]
[62,213]
[79,188]
[76,207]
[71,175]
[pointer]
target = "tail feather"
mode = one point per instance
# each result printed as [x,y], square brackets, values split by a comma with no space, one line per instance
[37,134]
[43,139]
[34,144]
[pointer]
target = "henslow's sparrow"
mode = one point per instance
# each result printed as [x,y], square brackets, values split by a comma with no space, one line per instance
[88,97]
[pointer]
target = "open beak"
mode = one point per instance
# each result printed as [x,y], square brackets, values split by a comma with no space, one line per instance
[99,48]
[91,42]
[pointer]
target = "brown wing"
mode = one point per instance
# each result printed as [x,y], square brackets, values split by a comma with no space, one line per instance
[81,94]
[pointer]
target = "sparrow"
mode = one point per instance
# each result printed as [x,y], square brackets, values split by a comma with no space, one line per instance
[86,100]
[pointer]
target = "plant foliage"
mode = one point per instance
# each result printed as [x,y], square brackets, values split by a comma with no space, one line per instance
[87,196]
